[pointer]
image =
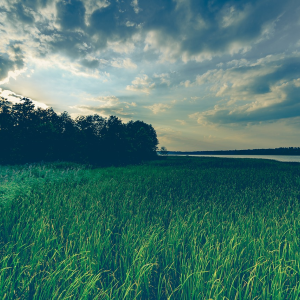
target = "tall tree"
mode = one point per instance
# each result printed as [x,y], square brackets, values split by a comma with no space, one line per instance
[28,134]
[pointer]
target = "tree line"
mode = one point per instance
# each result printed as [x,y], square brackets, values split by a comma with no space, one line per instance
[30,134]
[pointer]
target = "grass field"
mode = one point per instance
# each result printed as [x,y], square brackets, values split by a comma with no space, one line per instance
[179,228]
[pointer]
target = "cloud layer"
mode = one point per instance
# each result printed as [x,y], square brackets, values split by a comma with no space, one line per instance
[86,31]
[266,90]
[186,65]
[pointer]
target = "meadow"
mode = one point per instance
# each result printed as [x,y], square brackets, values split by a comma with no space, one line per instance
[175,228]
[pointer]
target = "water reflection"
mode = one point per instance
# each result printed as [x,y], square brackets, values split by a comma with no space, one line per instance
[286,158]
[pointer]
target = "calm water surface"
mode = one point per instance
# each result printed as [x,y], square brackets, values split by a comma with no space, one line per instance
[294,158]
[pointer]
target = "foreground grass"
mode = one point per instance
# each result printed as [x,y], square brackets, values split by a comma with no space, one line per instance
[181,228]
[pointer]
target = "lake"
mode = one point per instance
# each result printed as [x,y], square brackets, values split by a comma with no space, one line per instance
[286,158]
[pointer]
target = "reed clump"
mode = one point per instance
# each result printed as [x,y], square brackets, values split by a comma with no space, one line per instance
[178,228]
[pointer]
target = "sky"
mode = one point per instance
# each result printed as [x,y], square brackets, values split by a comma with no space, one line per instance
[208,75]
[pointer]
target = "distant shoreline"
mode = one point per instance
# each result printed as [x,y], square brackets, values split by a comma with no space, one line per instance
[276,151]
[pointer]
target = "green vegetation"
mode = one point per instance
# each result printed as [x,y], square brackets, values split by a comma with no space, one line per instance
[175,228]
[30,134]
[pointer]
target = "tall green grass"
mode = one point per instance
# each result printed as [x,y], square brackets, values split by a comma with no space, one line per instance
[180,228]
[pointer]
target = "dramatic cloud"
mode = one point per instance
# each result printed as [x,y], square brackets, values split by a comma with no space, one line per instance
[15,99]
[265,90]
[190,30]
[188,66]
[11,62]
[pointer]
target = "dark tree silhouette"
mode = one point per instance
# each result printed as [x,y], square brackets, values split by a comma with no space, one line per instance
[28,134]
[163,151]
[6,129]
[90,129]
[142,140]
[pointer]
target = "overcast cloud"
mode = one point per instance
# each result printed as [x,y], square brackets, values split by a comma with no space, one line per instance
[209,74]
